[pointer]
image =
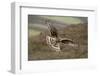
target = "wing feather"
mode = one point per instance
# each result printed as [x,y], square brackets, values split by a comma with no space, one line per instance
[52,30]
[66,41]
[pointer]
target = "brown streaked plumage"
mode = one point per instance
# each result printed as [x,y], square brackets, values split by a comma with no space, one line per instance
[53,40]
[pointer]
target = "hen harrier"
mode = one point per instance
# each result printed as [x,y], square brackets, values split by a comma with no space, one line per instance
[54,41]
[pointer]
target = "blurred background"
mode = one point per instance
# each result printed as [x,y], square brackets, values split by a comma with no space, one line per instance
[74,28]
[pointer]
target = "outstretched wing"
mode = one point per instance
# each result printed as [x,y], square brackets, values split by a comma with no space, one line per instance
[52,30]
[67,41]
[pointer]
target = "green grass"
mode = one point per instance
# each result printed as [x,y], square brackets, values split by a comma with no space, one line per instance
[32,32]
[67,20]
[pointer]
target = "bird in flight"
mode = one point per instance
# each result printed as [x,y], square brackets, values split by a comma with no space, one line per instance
[54,40]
